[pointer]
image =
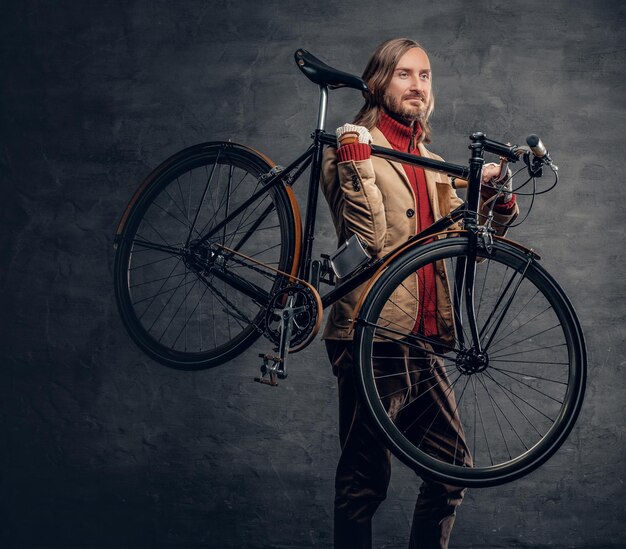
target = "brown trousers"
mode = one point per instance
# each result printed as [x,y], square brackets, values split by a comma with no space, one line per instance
[364,468]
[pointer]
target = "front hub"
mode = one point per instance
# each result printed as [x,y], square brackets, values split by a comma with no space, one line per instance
[470,362]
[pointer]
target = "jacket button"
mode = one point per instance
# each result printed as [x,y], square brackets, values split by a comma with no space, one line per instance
[410,212]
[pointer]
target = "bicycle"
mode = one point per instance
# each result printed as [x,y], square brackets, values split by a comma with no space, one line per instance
[211,254]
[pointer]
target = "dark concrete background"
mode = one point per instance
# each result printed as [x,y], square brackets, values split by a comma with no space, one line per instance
[100,446]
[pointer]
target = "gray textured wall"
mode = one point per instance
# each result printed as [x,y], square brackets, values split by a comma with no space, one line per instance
[102,447]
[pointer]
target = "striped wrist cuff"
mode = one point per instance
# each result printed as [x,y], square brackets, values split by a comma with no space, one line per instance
[353,151]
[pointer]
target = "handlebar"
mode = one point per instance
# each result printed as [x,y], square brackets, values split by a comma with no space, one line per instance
[511,153]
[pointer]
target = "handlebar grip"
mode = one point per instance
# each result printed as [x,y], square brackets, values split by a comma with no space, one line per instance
[459,183]
[537,146]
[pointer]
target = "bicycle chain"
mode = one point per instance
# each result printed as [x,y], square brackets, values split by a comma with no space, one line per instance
[257,269]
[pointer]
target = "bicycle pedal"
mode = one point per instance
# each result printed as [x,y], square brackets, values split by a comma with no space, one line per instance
[278,369]
[271,381]
[273,371]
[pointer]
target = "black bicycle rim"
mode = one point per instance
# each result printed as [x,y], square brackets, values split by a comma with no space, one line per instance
[515,410]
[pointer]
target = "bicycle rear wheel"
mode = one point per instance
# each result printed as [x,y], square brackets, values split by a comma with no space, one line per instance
[454,415]
[191,293]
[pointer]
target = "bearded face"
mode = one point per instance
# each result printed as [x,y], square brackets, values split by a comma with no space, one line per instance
[408,94]
[409,109]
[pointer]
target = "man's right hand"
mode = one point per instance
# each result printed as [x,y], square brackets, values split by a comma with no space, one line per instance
[497,181]
[351,133]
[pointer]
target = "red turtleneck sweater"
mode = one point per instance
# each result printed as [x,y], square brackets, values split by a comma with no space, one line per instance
[405,138]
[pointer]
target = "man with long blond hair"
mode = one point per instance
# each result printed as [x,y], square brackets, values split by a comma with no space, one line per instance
[385,203]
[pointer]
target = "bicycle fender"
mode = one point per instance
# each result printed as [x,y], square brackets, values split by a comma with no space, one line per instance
[405,248]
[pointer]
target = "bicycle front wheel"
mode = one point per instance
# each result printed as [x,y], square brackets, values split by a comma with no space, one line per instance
[192,288]
[454,414]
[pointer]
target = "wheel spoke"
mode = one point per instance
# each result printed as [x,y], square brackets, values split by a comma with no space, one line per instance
[505,308]
[533,350]
[495,414]
[204,192]
[482,422]
[158,292]
[533,376]
[529,337]
[183,301]
[406,338]
[217,210]
[519,313]
[503,372]
[510,392]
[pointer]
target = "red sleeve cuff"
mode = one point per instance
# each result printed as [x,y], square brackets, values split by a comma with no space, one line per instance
[354,151]
[505,208]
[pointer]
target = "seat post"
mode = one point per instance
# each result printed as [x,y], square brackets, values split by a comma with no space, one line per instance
[321,115]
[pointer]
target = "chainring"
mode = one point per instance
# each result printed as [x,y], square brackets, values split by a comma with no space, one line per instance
[306,321]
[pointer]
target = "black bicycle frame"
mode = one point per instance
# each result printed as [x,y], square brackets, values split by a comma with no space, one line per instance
[467,213]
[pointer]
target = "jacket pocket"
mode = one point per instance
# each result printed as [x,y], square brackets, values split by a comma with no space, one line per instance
[444,194]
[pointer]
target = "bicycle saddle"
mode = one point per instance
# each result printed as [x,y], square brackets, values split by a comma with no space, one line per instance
[320,73]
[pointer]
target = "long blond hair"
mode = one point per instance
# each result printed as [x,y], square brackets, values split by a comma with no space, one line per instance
[378,74]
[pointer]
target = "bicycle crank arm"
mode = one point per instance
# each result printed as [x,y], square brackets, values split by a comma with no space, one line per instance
[286,326]
[276,366]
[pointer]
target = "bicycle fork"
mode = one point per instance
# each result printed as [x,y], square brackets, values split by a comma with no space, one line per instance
[470,277]
[465,274]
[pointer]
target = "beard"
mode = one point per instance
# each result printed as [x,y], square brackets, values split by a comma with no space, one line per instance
[406,114]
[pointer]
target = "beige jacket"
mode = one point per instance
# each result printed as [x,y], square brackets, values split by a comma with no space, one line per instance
[374,199]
